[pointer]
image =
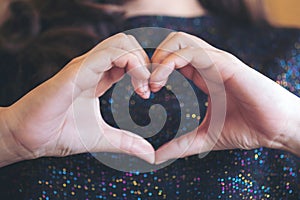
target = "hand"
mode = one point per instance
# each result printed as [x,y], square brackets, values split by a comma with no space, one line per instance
[259,111]
[45,123]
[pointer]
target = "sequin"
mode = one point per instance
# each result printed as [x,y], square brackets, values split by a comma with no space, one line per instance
[234,174]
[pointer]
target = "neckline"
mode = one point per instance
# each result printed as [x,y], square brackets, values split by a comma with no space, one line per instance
[167,17]
[184,24]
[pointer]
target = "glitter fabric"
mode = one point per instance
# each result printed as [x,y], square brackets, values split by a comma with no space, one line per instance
[236,174]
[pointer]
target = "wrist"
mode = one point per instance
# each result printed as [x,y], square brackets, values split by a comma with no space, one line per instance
[11,150]
[291,142]
[8,147]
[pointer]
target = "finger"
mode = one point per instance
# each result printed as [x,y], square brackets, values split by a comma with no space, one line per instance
[207,137]
[191,73]
[177,60]
[139,75]
[141,87]
[212,68]
[176,41]
[157,59]
[97,136]
[141,83]
[137,50]
[115,74]
[130,44]
[93,66]
[120,141]
[160,76]
[173,43]
[192,143]
[108,79]
[124,42]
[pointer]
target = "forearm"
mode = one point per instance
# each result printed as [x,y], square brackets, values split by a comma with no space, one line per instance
[8,147]
[292,141]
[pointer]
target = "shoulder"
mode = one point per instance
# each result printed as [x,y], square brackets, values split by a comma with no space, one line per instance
[273,51]
[260,44]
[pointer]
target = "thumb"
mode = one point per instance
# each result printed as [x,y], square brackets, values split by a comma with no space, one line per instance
[97,136]
[121,141]
[195,142]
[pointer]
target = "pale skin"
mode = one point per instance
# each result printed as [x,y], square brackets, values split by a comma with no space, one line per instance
[182,8]
[260,113]
[42,122]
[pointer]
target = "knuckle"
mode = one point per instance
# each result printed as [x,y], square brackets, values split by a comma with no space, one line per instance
[121,36]
[226,55]
[172,34]
[109,49]
[76,60]
[131,37]
[64,152]
[228,58]
[180,34]
[131,57]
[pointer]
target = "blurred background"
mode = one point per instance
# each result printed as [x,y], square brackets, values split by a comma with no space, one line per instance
[284,13]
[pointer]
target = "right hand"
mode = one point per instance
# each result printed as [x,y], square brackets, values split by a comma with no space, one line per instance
[43,122]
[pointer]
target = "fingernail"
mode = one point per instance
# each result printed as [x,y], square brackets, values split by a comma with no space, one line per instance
[146,95]
[145,92]
[146,88]
[155,87]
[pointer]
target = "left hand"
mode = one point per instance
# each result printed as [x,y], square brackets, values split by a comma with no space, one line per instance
[260,113]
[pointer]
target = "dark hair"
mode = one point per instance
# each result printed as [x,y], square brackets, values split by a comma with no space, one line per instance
[41,36]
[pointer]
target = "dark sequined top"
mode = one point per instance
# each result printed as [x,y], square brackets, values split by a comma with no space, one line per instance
[234,174]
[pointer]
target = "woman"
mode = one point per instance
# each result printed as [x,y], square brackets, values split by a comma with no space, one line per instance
[241,174]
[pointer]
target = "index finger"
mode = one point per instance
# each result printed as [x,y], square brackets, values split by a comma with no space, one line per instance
[176,41]
[139,73]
